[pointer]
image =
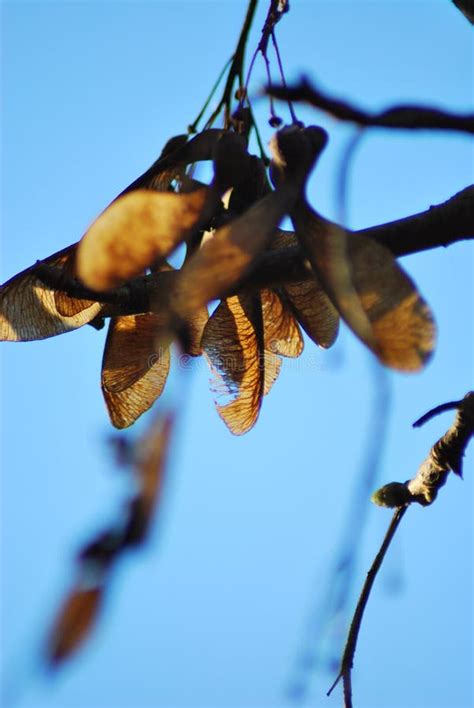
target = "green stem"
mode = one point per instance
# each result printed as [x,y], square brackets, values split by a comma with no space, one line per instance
[237,66]
[193,127]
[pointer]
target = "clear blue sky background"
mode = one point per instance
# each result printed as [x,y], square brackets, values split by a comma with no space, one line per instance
[215,610]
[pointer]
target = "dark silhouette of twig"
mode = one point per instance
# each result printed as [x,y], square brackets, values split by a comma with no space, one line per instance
[411,117]
[275,12]
[435,411]
[444,457]
[282,74]
[351,644]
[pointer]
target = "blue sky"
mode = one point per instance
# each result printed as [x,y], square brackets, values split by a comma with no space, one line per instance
[214,612]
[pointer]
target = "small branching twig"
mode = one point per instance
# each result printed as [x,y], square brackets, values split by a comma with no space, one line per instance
[275,12]
[410,117]
[444,457]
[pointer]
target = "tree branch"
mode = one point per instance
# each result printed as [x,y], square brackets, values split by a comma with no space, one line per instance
[467,9]
[445,456]
[440,225]
[349,651]
[408,116]
[236,68]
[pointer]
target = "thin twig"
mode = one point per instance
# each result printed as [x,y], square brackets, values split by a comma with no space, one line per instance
[282,74]
[412,117]
[236,68]
[444,457]
[275,12]
[193,126]
[347,661]
[436,411]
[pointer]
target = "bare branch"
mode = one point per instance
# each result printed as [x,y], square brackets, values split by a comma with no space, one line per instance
[467,9]
[445,456]
[351,643]
[440,225]
[411,117]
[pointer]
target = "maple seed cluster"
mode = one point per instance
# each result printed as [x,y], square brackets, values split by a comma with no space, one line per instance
[225,225]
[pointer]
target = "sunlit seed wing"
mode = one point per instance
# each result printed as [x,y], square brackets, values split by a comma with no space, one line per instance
[65,305]
[309,302]
[314,311]
[326,246]
[195,325]
[224,258]
[136,230]
[402,322]
[134,370]
[75,621]
[70,306]
[281,332]
[233,345]
[28,308]
[324,243]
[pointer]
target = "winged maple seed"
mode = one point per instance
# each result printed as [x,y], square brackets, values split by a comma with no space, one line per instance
[309,302]
[245,337]
[78,615]
[135,365]
[373,294]
[31,310]
[242,342]
[143,226]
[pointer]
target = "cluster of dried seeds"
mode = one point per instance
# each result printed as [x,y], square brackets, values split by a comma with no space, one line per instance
[226,225]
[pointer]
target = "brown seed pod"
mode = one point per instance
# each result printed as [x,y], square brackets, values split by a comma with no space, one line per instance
[376,298]
[31,310]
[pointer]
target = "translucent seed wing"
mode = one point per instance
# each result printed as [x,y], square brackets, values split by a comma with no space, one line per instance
[223,259]
[28,308]
[65,305]
[134,370]
[402,322]
[326,245]
[231,345]
[136,230]
[314,311]
[281,331]
[309,302]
